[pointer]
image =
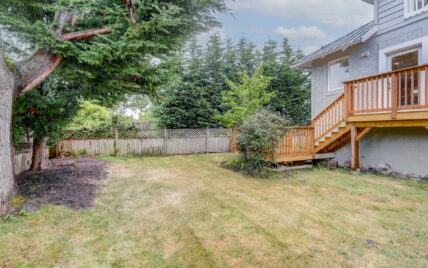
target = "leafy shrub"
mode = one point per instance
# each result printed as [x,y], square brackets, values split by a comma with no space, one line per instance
[258,140]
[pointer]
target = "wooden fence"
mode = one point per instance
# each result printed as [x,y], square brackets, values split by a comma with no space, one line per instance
[149,142]
[23,157]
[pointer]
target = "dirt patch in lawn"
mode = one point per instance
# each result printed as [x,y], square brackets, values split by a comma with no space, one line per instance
[71,182]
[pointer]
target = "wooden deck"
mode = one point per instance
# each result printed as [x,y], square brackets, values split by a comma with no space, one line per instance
[393,99]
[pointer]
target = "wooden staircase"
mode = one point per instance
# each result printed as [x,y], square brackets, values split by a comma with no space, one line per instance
[334,140]
[331,130]
[393,99]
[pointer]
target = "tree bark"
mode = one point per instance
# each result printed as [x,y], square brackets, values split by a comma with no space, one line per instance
[8,187]
[40,158]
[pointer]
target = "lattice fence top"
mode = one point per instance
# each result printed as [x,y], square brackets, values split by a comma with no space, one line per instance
[186,132]
[141,134]
[220,132]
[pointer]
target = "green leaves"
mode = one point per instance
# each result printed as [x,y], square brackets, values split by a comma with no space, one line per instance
[45,111]
[120,61]
[244,98]
[259,136]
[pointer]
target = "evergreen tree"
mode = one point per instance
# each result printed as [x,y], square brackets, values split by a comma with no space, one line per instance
[43,113]
[185,107]
[249,56]
[108,46]
[214,70]
[291,87]
[270,53]
[230,61]
[206,70]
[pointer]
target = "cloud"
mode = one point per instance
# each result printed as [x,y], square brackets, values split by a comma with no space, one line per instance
[305,35]
[335,13]
[308,38]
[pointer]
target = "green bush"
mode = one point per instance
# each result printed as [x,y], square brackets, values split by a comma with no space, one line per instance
[258,140]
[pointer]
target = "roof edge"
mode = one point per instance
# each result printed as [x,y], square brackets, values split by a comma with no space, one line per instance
[307,63]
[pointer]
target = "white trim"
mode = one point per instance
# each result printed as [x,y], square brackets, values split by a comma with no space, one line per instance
[384,53]
[410,10]
[328,73]
[409,50]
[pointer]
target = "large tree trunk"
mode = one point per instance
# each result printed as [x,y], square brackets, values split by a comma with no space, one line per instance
[40,158]
[7,177]
[27,74]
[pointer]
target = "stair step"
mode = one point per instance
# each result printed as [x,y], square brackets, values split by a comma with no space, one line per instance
[342,125]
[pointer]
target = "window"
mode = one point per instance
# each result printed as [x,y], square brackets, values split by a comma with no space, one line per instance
[405,59]
[414,7]
[408,81]
[338,72]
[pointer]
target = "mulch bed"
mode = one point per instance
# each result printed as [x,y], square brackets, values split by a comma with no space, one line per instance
[70,182]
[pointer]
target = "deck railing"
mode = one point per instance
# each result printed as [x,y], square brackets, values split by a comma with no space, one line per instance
[298,141]
[329,118]
[405,89]
[391,92]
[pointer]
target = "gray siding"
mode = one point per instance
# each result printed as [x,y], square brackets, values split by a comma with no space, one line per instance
[359,66]
[404,149]
[390,15]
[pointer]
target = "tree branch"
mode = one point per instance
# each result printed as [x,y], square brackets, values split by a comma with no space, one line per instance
[41,63]
[50,62]
[42,74]
[85,34]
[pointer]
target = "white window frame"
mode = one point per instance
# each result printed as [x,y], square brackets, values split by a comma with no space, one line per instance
[411,9]
[329,89]
[402,52]
[385,53]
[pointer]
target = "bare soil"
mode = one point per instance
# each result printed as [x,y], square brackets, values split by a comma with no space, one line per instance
[70,182]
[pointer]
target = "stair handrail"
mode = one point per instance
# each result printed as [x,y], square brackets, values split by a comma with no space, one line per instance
[341,116]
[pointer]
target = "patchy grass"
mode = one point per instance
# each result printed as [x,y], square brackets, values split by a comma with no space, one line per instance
[185,211]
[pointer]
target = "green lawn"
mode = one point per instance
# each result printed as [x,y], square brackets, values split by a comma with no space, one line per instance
[185,211]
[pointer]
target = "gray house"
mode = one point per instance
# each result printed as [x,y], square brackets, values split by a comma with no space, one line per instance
[370,91]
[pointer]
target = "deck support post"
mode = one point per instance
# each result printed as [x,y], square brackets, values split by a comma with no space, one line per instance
[355,149]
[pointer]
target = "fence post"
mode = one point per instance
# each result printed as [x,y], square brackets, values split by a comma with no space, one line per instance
[233,141]
[165,144]
[116,139]
[207,140]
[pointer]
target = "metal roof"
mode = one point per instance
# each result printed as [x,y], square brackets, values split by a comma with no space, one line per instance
[360,35]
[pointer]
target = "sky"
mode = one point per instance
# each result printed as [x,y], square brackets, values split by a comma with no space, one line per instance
[308,24]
